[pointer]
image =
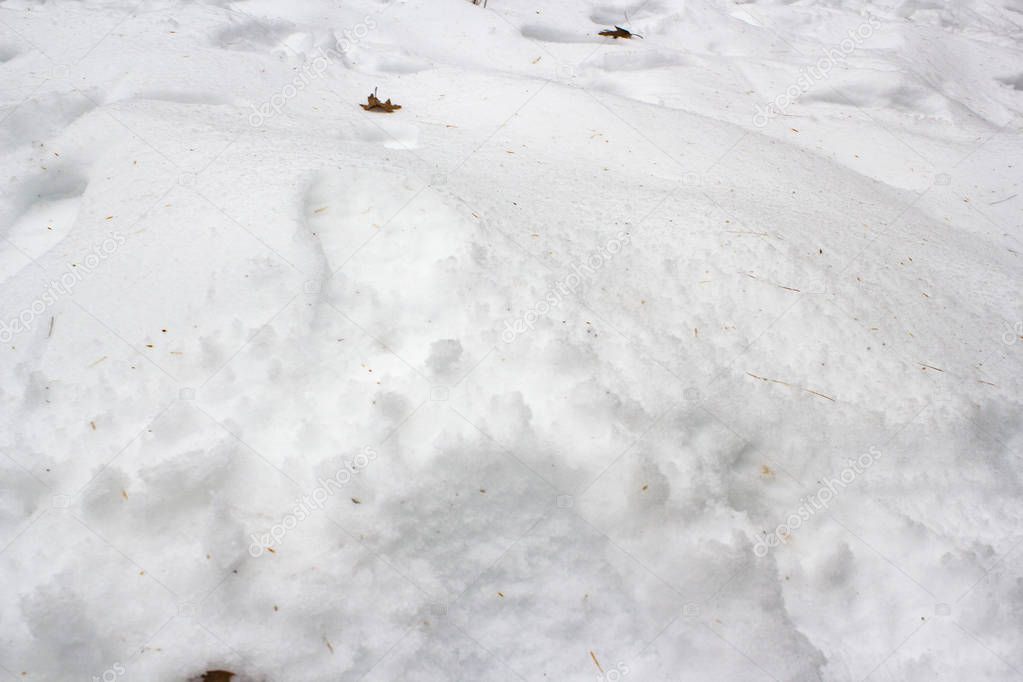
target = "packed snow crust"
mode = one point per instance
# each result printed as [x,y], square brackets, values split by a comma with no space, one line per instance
[695,356]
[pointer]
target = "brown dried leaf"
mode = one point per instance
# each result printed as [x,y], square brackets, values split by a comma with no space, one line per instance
[619,32]
[217,676]
[374,104]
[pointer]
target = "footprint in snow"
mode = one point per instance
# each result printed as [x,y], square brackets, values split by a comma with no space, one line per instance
[43,211]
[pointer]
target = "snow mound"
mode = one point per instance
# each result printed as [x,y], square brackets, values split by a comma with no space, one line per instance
[689,356]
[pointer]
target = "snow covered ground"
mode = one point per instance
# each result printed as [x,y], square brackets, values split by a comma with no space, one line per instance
[695,356]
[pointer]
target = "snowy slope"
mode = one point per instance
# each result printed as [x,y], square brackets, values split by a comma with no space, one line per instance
[689,357]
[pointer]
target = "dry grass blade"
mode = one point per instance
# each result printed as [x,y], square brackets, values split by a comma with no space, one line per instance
[785,383]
